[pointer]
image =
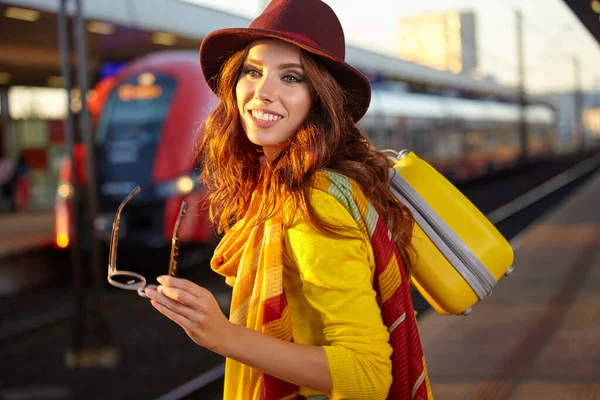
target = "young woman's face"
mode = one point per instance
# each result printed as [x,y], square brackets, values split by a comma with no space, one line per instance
[272,94]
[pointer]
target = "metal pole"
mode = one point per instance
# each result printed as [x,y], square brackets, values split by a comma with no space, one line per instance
[108,353]
[578,104]
[523,129]
[7,136]
[78,324]
[597,112]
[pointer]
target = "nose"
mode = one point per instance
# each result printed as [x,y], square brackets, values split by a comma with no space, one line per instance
[265,90]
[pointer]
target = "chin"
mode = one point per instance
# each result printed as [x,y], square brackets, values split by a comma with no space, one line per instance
[263,142]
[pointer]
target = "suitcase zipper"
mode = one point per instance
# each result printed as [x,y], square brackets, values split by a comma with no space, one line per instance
[431,222]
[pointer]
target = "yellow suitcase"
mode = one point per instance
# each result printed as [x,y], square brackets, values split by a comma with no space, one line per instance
[460,254]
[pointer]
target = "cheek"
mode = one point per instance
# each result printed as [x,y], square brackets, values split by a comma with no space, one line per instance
[302,103]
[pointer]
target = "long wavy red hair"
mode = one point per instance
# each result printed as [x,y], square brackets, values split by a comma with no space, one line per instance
[232,171]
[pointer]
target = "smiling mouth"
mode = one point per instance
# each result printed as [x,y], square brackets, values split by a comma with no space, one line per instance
[262,120]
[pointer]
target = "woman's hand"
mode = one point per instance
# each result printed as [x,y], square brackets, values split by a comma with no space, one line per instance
[194,308]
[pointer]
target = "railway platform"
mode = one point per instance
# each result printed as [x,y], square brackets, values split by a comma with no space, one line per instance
[537,336]
[21,232]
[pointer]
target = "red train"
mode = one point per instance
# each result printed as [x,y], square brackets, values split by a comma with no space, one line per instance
[149,119]
[147,127]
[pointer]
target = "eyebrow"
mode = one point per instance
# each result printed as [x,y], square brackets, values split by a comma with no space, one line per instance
[280,66]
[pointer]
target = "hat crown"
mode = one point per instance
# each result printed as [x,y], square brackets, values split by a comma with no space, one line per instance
[310,19]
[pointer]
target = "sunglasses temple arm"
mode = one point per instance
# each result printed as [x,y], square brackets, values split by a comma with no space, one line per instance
[174,259]
[112,253]
[114,238]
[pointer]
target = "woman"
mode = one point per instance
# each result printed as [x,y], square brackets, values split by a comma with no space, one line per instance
[321,304]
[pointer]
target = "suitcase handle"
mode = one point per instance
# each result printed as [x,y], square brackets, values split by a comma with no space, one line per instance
[398,155]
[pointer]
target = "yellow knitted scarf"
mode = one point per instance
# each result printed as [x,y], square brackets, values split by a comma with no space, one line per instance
[250,257]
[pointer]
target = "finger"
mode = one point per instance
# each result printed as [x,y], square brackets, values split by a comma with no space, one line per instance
[179,283]
[172,315]
[179,295]
[172,281]
[174,305]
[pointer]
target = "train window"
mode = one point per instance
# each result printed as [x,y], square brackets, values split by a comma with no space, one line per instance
[390,138]
[136,109]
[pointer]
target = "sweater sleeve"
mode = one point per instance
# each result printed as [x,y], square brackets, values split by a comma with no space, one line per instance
[336,275]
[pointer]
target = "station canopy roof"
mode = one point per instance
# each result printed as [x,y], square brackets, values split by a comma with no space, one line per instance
[588,12]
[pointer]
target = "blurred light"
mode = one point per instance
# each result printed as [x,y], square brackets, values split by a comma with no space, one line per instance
[595,6]
[65,190]
[62,241]
[37,102]
[97,96]
[91,95]
[137,92]
[22,14]
[591,120]
[75,100]
[110,68]
[146,79]
[166,39]
[55,81]
[102,28]
[184,185]
[61,224]
[4,78]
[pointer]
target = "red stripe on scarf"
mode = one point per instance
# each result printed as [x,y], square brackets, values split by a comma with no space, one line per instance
[273,308]
[383,247]
[407,358]
[276,389]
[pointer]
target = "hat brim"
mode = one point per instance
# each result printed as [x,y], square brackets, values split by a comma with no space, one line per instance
[219,45]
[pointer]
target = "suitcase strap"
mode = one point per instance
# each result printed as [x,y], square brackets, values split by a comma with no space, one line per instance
[450,245]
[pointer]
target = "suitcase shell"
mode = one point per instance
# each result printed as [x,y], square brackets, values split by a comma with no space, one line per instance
[460,254]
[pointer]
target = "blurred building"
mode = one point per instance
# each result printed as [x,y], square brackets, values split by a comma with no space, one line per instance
[567,121]
[444,41]
[33,127]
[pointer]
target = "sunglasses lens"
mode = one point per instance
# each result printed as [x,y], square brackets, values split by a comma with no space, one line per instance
[127,280]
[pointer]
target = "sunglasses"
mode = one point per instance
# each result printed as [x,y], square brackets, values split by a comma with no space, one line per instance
[132,280]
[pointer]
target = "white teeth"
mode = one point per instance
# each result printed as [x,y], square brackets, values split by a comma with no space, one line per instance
[265,116]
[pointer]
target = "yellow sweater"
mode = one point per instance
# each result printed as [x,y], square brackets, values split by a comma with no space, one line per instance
[329,288]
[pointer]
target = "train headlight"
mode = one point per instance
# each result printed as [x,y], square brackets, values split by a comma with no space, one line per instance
[65,190]
[184,185]
[181,186]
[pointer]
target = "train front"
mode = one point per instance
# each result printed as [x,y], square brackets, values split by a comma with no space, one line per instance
[146,137]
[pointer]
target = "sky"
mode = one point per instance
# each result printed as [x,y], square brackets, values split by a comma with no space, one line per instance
[554,39]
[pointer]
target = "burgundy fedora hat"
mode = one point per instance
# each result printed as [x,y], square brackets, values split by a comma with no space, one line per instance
[309,24]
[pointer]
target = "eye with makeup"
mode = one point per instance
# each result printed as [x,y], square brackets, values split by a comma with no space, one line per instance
[253,72]
[292,78]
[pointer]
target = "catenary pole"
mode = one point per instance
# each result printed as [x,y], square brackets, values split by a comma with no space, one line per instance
[79,318]
[523,129]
